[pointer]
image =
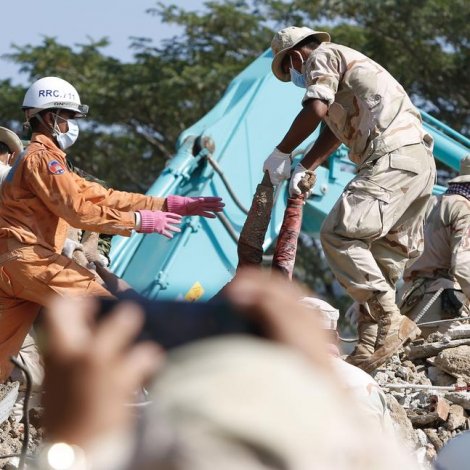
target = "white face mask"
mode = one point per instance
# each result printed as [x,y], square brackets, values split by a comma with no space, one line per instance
[297,78]
[66,139]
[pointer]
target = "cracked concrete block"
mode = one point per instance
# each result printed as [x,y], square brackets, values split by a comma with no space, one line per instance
[455,361]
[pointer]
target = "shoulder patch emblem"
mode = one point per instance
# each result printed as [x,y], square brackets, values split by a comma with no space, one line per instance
[55,167]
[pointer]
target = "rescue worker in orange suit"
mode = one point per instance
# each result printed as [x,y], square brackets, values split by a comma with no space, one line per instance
[41,198]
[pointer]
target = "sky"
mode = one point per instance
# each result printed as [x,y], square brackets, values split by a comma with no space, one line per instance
[71,22]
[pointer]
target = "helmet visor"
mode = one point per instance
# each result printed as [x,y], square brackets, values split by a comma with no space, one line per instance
[82,110]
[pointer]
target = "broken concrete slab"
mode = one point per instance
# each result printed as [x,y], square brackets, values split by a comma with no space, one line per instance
[420,351]
[434,414]
[459,398]
[434,439]
[457,418]
[440,378]
[455,361]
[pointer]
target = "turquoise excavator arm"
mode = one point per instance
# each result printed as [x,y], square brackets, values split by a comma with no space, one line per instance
[222,154]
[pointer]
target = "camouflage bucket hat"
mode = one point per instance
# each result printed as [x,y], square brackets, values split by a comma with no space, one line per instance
[464,176]
[11,140]
[287,38]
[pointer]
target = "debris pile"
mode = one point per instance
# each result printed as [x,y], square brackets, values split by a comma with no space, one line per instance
[427,389]
[14,430]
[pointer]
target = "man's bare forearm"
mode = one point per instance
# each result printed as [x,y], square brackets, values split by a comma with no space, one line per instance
[304,124]
[324,146]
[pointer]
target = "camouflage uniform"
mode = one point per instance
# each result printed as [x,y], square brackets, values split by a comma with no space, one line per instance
[445,262]
[376,225]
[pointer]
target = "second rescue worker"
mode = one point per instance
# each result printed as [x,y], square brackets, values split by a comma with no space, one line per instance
[377,224]
[41,198]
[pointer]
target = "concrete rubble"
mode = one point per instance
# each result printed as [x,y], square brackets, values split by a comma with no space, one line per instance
[12,433]
[429,415]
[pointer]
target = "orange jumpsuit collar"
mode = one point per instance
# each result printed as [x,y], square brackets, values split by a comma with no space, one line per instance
[48,142]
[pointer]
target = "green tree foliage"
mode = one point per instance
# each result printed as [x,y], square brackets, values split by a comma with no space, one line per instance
[138,109]
[425,45]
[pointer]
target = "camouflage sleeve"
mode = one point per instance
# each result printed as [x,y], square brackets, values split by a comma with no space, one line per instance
[460,244]
[323,75]
[433,200]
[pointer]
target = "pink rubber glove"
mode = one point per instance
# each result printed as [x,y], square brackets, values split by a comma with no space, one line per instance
[203,206]
[160,222]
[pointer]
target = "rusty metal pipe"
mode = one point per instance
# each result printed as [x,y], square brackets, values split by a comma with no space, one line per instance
[250,243]
[287,241]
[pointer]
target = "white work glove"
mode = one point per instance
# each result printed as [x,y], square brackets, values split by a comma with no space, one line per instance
[278,166]
[297,175]
[100,260]
[70,246]
[96,260]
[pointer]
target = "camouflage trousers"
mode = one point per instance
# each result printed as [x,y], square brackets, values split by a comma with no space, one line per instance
[377,224]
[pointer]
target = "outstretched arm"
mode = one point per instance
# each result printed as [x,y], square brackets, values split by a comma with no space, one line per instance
[278,163]
[314,110]
[304,124]
[324,146]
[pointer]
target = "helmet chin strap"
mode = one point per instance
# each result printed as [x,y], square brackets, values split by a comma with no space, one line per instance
[55,131]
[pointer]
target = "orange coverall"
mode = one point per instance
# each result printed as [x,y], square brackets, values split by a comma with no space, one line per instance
[38,201]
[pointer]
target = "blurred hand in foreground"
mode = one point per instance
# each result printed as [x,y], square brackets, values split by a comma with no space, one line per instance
[274,301]
[92,369]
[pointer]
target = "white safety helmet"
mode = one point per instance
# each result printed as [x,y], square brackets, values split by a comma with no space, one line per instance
[328,314]
[52,93]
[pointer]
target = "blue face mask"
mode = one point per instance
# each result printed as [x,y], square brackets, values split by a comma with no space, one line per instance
[297,78]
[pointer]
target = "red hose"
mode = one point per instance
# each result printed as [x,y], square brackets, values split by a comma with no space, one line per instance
[286,246]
